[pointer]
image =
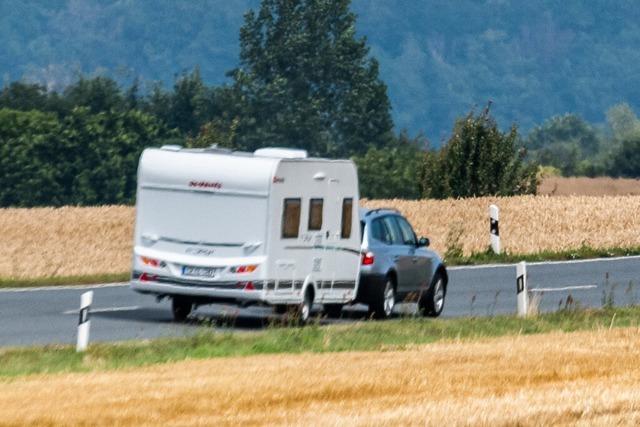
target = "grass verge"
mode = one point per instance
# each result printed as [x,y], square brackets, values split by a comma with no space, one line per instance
[64,280]
[395,334]
[584,252]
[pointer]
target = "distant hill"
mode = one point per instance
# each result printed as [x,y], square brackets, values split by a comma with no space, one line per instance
[439,57]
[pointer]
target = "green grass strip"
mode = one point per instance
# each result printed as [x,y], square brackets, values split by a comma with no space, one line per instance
[584,252]
[394,334]
[64,280]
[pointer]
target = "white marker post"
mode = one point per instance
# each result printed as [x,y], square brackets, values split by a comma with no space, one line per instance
[494,229]
[83,321]
[521,289]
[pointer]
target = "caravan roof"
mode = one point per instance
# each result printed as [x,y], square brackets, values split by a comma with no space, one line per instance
[219,170]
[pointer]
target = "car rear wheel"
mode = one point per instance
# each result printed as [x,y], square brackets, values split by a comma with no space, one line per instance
[382,307]
[181,308]
[432,303]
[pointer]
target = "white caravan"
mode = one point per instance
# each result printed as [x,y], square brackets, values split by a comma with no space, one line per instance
[272,227]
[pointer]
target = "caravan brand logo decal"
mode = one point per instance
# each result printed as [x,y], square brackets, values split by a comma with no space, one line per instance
[200,251]
[205,184]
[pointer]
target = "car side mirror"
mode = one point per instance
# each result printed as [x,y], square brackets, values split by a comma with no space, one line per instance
[423,242]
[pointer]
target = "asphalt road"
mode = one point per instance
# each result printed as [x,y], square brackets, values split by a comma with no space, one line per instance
[49,315]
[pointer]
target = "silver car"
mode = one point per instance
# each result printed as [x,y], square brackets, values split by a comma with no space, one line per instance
[397,266]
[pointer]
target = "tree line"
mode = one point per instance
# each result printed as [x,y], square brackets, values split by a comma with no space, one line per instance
[80,146]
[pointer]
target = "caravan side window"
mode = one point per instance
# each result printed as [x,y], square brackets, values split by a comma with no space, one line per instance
[291,218]
[315,214]
[347,211]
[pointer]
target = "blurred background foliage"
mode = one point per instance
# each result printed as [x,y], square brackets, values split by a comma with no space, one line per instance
[402,102]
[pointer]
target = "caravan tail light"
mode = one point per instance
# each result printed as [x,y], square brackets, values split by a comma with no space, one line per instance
[246,286]
[367,258]
[146,277]
[150,261]
[244,268]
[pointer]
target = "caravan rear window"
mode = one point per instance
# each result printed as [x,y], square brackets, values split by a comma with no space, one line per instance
[347,210]
[315,214]
[291,218]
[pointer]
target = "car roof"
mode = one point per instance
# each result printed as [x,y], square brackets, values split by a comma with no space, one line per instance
[366,213]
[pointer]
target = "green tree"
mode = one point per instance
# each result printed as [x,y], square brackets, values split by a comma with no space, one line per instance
[31,146]
[478,160]
[566,142]
[306,80]
[626,160]
[24,96]
[391,172]
[82,159]
[215,133]
[623,122]
[103,153]
[186,101]
[98,94]
[624,147]
[191,105]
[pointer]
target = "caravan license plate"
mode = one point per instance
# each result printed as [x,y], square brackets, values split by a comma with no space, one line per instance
[201,271]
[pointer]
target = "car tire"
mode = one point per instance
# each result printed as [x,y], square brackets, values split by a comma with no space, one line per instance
[333,311]
[181,308]
[384,301]
[432,302]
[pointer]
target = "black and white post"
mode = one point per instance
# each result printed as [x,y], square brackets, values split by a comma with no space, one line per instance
[494,228]
[521,289]
[83,321]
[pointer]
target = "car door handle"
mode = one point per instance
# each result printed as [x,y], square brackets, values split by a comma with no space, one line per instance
[415,259]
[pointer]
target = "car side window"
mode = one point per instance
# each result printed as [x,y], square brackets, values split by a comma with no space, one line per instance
[408,235]
[379,231]
[394,230]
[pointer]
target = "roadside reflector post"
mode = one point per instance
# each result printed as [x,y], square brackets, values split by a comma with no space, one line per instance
[494,229]
[83,321]
[521,289]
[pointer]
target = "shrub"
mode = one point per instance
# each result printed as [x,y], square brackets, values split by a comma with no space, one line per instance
[478,160]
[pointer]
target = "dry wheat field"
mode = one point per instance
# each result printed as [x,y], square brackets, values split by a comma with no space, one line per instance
[68,241]
[72,241]
[583,186]
[583,378]
[528,224]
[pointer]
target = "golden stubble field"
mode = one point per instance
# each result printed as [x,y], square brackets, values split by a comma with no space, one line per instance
[583,378]
[67,241]
[528,224]
[584,186]
[73,241]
